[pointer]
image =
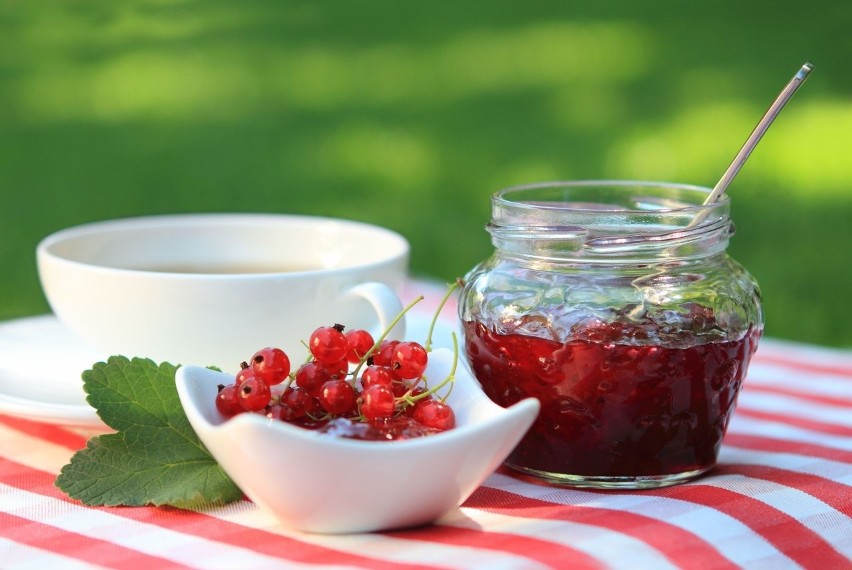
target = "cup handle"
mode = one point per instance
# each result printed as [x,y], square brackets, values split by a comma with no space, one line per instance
[385,302]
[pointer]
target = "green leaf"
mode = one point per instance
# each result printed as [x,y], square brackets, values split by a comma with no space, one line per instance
[154,458]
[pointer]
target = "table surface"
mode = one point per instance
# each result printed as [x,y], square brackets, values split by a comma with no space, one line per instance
[780,497]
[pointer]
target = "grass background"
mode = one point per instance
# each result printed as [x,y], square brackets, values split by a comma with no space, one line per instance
[410,114]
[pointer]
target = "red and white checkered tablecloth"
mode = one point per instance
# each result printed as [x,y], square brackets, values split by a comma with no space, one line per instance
[781,497]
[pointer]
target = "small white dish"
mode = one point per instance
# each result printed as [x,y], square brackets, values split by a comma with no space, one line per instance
[323,484]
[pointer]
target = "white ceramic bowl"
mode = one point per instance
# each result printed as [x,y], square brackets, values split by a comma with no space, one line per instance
[324,484]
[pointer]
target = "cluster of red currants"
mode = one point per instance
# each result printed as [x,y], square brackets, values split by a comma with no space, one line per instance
[383,396]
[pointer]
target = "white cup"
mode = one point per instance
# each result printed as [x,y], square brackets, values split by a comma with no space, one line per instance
[211,289]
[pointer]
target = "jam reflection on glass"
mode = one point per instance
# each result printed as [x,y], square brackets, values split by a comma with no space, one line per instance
[615,403]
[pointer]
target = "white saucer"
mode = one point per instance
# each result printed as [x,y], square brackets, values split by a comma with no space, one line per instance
[41,363]
[40,366]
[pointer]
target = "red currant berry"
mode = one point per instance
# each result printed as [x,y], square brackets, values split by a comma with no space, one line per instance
[409,360]
[377,402]
[338,397]
[360,341]
[434,414]
[328,344]
[382,356]
[311,376]
[409,410]
[280,412]
[400,387]
[300,402]
[293,405]
[244,374]
[272,365]
[254,395]
[227,400]
[376,375]
[336,369]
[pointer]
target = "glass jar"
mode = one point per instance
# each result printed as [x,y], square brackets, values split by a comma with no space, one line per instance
[616,305]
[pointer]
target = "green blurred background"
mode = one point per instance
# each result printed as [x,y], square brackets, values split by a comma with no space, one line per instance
[410,114]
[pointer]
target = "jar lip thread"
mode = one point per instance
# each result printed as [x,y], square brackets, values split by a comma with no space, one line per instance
[500,198]
[685,234]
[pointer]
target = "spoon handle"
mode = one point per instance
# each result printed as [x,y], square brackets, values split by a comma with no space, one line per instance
[758,131]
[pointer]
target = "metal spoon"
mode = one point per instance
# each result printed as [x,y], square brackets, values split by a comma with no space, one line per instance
[758,131]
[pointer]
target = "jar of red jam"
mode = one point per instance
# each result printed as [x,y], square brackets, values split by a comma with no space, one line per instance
[617,306]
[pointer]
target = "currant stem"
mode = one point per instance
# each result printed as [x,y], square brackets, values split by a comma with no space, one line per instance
[449,379]
[379,340]
[428,344]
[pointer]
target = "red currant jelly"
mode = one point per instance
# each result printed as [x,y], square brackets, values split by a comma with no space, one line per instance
[613,411]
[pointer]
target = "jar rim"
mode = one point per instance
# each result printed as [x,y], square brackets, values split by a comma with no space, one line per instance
[607,220]
[700,193]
